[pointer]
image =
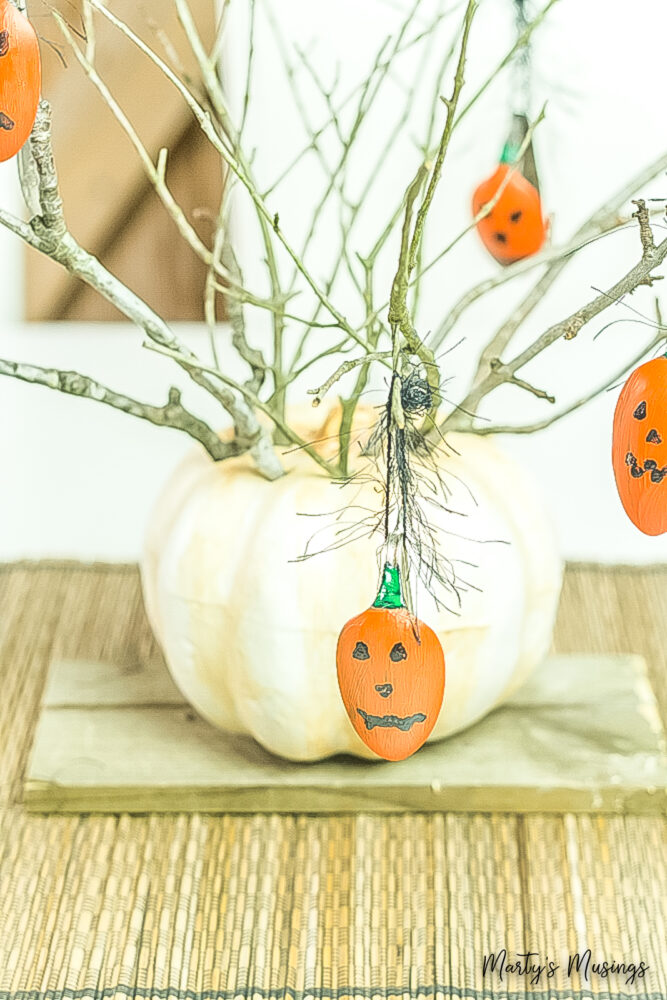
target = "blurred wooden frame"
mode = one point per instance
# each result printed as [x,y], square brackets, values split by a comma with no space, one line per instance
[109,204]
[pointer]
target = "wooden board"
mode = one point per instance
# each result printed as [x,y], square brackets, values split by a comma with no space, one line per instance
[583,735]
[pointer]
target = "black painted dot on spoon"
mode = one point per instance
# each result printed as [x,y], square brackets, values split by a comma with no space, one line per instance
[640,412]
[653,437]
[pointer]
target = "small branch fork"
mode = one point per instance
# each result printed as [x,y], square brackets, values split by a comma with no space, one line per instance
[500,373]
[505,372]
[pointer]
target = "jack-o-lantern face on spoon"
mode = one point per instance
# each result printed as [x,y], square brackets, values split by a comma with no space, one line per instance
[515,226]
[391,674]
[639,449]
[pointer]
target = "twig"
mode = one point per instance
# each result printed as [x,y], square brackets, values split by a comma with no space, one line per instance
[347,366]
[451,104]
[248,76]
[604,219]
[364,103]
[240,294]
[520,43]
[406,46]
[195,365]
[369,93]
[348,224]
[155,173]
[645,231]
[541,425]
[399,317]
[230,157]
[518,269]
[509,377]
[172,414]
[211,286]
[212,84]
[349,405]
[652,257]
[48,233]
[251,355]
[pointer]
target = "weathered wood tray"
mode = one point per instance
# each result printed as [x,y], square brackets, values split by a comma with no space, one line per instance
[583,735]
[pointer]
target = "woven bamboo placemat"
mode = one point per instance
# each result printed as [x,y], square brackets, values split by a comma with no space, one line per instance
[268,906]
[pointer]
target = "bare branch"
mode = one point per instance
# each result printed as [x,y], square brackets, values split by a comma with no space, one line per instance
[541,425]
[605,219]
[652,257]
[404,47]
[398,310]
[347,366]
[399,316]
[155,174]
[233,162]
[645,231]
[451,104]
[172,414]
[251,355]
[212,84]
[198,366]
[48,233]
[508,376]
[520,43]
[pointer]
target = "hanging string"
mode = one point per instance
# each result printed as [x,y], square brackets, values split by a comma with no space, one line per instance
[521,101]
[521,83]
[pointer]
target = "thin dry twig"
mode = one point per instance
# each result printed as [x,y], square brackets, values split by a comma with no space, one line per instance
[642,273]
[49,234]
[604,220]
[171,414]
[347,366]
[193,364]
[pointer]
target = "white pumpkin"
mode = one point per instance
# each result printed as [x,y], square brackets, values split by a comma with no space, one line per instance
[250,635]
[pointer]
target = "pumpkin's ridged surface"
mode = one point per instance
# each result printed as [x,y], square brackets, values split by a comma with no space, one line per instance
[250,636]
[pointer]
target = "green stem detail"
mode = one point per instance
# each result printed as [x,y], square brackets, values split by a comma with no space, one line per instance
[389,594]
[510,153]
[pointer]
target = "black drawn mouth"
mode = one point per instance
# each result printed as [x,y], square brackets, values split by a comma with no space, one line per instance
[650,466]
[391,721]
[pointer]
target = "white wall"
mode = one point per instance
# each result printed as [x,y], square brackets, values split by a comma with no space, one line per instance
[78,479]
